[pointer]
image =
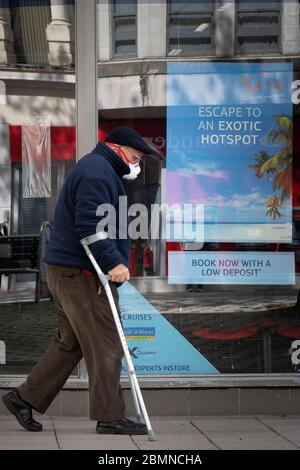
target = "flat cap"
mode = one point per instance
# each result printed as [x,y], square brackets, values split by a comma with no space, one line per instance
[129,137]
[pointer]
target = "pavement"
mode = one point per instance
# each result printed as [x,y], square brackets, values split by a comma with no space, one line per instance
[172,433]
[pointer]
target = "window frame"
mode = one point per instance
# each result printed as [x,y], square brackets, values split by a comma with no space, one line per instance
[210,12]
[258,8]
[114,16]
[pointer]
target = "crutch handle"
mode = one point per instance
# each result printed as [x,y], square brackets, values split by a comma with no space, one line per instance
[104,280]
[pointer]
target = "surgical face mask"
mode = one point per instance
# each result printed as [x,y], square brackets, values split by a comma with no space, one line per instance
[135,170]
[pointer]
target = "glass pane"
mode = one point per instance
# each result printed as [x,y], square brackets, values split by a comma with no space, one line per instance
[125,36]
[194,6]
[234,326]
[125,47]
[124,8]
[252,44]
[190,34]
[261,5]
[37,150]
[254,22]
[125,27]
[258,31]
[195,90]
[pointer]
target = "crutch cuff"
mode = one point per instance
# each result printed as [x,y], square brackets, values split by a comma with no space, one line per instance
[94,238]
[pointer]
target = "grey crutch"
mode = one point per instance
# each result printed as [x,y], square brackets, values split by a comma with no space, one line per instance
[135,388]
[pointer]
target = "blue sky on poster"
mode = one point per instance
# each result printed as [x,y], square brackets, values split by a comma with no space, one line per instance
[218,175]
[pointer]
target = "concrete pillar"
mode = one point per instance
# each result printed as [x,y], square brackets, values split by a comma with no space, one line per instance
[225,28]
[86,71]
[7,55]
[290,36]
[60,34]
[151,29]
[5,175]
[104,33]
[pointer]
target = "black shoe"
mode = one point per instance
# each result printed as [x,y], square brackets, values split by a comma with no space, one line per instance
[22,411]
[123,426]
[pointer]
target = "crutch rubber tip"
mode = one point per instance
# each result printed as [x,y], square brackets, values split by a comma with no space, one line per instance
[151,436]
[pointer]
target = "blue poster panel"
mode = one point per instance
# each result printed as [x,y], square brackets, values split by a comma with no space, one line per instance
[156,347]
[229,148]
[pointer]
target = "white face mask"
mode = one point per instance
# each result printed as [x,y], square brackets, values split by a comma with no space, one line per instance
[135,170]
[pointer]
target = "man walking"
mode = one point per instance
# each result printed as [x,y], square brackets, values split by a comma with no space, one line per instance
[86,326]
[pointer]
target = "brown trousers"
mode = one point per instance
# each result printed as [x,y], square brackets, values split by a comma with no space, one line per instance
[85,328]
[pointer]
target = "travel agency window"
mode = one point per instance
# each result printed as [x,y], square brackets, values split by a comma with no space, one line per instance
[38,149]
[215,274]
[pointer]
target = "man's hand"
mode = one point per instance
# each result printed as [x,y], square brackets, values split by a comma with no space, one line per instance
[119,273]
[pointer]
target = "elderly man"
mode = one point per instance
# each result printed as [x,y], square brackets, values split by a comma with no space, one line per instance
[85,323]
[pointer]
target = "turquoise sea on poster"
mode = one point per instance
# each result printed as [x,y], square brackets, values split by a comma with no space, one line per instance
[222,120]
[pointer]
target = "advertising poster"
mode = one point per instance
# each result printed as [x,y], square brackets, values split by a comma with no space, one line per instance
[229,148]
[232,268]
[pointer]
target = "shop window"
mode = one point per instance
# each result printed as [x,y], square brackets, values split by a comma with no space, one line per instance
[258,27]
[124,27]
[37,149]
[190,26]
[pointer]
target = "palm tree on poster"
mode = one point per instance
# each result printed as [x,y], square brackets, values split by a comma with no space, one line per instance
[277,167]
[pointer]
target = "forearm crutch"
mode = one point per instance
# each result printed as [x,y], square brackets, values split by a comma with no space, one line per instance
[135,388]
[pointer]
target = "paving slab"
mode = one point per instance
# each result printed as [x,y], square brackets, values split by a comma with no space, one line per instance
[241,433]
[80,434]
[288,427]
[171,434]
[10,425]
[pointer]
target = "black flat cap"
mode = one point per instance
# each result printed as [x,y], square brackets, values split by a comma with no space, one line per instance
[129,137]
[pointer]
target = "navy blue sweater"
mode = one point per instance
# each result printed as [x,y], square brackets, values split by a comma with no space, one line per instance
[96,179]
